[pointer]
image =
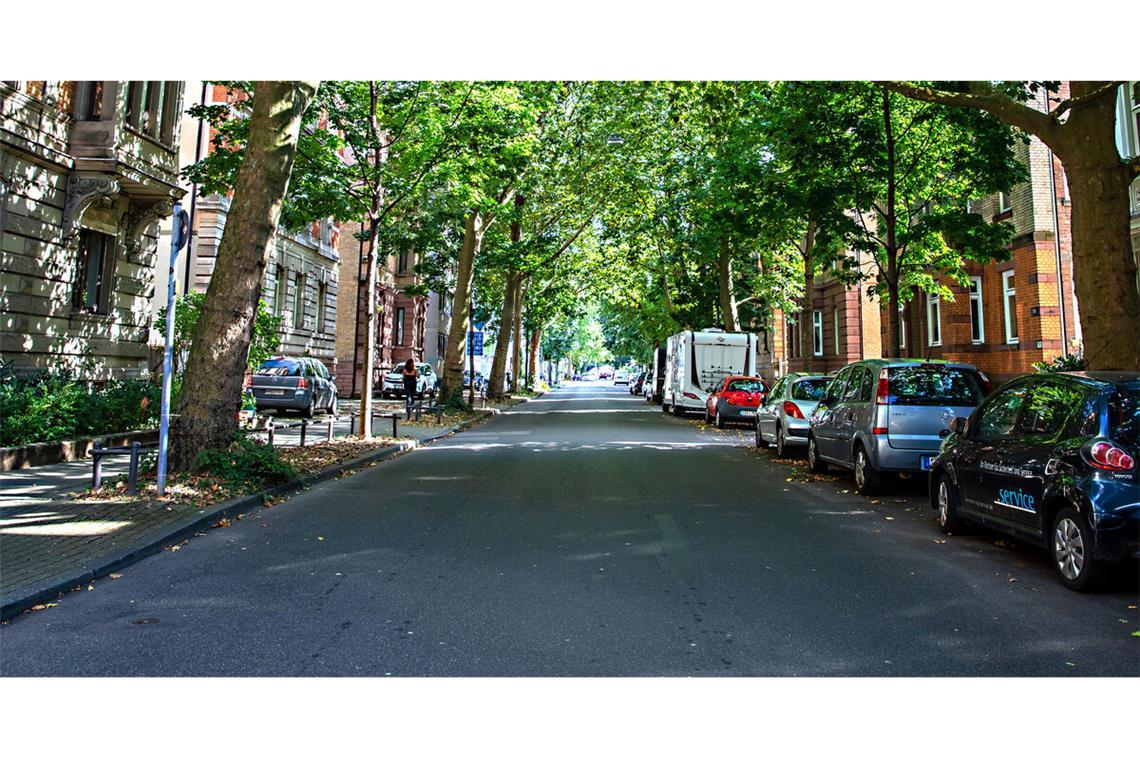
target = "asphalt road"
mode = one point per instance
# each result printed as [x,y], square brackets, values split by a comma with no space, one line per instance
[585,534]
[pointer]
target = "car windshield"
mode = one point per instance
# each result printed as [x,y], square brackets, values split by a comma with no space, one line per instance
[810,390]
[926,385]
[1124,415]
[745,386]
[279,368]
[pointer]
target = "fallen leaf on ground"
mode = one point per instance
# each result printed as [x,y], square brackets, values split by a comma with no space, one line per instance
[115,576]
[890,518]
[320,538]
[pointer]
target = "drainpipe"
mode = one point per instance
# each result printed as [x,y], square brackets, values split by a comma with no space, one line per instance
[1057,242]
[194,199]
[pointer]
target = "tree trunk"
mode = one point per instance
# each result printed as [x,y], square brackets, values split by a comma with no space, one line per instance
[809,296]
[532,355]
[893,275]
[516,355]
[456,354]
[1104,262]
[496,384]
[727,288]
[370,320]
[206,416]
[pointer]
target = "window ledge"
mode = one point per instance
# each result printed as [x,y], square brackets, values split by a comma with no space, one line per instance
[1003,215]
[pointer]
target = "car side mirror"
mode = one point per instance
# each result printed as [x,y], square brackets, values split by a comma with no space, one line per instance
[958,426]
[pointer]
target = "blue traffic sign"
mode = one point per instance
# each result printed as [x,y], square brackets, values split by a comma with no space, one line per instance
[477,343]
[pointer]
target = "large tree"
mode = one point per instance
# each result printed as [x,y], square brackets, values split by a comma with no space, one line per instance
[206,416]
[1081,130]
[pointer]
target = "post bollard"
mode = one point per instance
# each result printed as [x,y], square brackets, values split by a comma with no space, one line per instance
[269,427]
[133,476]
[352,423]
[97,467]
[331,419]
[395,417]
[304,429]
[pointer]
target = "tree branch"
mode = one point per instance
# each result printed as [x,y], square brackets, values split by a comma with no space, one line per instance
[985,97]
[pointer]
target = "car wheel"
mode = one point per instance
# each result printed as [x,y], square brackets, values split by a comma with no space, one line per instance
[708,419]
[759,437]
[719,420]
[781,444]
[311,409]
[815,464]
[1072,547]
[867,478]
[948,519]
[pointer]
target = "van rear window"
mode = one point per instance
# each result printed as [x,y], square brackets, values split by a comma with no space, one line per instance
[934,386]
[279,368]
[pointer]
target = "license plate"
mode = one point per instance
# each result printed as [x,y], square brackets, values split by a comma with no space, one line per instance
[927,462]
[748,413]
[275,392]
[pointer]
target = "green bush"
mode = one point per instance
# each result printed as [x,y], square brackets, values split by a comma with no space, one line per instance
[1067,363]
[245,463]
[53,406]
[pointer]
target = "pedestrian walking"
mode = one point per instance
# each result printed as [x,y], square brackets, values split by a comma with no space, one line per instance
[411,377]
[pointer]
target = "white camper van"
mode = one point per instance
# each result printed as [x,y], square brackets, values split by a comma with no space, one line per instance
[695,362]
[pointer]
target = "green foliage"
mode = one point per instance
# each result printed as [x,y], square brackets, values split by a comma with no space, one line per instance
[54,406]
[266,339]
[1066,363]
[245,464]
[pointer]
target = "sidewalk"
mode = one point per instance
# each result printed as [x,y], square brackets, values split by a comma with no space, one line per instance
[50,543]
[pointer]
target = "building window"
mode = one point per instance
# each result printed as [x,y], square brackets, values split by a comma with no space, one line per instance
[151,109]
[977,326]
[279,291]
[89,103]
[95,272]
[835,328]
[299,301]
[399,325]
[1005,203]
[322,293]
[1009,297]
[402,262]
[817,333]
[933,320]
[902,328]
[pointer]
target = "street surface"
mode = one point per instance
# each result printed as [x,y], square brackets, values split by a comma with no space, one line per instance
[586,534]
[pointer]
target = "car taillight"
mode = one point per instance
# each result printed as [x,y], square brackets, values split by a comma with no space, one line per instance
[792,410]
[1108,457]
[879,431]
[987,386]
[884,390]
[302,384]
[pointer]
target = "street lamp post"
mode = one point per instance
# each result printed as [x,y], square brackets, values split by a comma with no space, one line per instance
[179,229]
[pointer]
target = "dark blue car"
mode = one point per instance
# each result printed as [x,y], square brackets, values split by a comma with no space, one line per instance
[1050,458]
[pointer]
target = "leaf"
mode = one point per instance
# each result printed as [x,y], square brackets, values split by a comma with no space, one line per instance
[115,576]
[320,538]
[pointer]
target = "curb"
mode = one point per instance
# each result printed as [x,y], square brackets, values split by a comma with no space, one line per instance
[100,567]
[58,585]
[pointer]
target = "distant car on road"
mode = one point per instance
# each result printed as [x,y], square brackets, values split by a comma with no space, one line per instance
[300,385]
[735,398]
[621,377]
[637,384]
[783,417]
[393,383]
[1051,458]
[882,416]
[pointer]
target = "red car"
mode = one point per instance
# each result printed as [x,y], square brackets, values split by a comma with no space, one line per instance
[736,398]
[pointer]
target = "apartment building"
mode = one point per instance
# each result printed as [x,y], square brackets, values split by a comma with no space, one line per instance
[87,170]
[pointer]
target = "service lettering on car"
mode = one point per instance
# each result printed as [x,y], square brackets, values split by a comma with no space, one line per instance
[1006,469]
[1015,499]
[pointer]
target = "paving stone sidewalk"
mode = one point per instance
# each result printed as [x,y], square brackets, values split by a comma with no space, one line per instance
[45,535]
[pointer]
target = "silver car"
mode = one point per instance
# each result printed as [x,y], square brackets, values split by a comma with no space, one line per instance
[890,415]
[783,418]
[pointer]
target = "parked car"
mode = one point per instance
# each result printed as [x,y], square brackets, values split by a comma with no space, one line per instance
[648,388]
[480,381]
[301,385]
[638,383]
[1050,458]
[883,416]
[621,377]
[783,417]
[393,384]
[735,398]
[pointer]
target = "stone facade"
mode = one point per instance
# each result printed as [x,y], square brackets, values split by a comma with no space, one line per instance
[87,169]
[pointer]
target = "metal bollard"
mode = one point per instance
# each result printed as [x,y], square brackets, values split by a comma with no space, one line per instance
[304,429]
[269,428]
[133,476]
[352,423]
[395,417]
[331,419]
[97,467]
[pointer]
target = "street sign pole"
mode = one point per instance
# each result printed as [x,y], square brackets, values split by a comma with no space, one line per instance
[471,348]
[178,230]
